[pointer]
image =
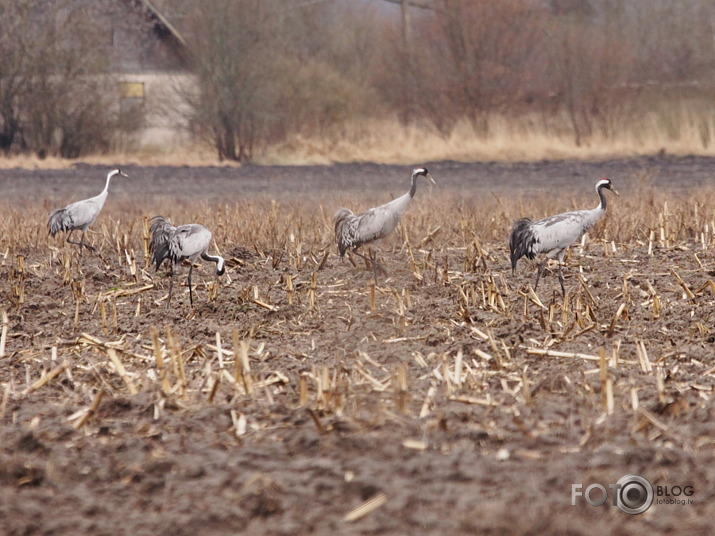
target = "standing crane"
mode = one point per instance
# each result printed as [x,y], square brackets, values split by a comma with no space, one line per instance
[189,241]
[80,214]
[554,235]
[369,227]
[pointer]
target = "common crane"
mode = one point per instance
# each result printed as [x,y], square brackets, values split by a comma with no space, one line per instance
[369,227]
[80,214]
[189,241]
[554,235]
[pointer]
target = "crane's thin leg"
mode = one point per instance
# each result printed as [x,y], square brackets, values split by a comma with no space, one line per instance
[374,265]
[377,265]
[85,244]
[360,255]
[171,283]
[561,280]
[81,242]
[74,241]
[560,259]
[350,258]
[191,296]
[366,259]
[371,260]
[539,270]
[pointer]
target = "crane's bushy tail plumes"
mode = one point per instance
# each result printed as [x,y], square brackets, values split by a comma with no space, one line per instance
[344,232]
[60,220]
[521,242]
[161,232]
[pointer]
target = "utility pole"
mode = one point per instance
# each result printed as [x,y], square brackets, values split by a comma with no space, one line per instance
[405,6]
[405,9]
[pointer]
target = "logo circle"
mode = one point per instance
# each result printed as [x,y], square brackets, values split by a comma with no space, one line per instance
[634,495]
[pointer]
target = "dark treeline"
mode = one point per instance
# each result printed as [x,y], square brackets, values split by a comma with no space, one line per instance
[267,70]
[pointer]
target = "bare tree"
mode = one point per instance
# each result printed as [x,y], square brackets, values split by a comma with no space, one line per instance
[467,59]
[265,70]
[236,63]
[588,65]
[55,94]
[14,18]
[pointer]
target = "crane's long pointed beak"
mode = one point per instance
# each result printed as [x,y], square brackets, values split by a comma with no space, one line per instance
[431,179]
[615,192]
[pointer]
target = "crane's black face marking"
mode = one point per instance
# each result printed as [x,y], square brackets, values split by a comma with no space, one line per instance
[607,184]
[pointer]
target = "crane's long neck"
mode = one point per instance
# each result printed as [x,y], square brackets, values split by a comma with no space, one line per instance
[220,262]
[413,187]
[106,184]
[602,205]
[590,217]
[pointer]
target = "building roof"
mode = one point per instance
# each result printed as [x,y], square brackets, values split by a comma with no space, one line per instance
[161,21]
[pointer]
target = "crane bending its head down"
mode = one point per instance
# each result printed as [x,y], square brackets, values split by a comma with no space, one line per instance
[80,214]
[189,241]
[553,235]
[369,227]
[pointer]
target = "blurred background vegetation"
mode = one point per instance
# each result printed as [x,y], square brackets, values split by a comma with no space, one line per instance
[373,79]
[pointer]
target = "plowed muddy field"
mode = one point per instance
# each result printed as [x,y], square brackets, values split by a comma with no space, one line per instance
[300,396]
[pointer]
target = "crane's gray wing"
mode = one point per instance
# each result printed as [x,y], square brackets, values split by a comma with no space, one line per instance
[353,231]
[560,231]
[84,212]
[77,215]
[60,220]
[376,223]
[190,240]
[344,230]
[161,233]
[521,242]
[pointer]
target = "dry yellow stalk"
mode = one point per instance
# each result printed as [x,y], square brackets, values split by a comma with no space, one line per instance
[414,444]
[112,354]
[3,404]
[214,388]
[173,347]
[46,378]
[525,387]
[556,353]
[241,365]
[159,360]
[473,400]
[682,283]
[643,357]
[103,314]
[3,333]
[427,404]
[366,507]
[265,305]
[90,411]
[622,311]
[401,393]
[302,391]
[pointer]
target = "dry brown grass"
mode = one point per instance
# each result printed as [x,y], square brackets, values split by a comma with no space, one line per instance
[679,128]
[465,254]
[451,346]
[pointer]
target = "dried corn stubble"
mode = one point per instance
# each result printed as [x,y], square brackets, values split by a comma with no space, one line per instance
[453,355]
